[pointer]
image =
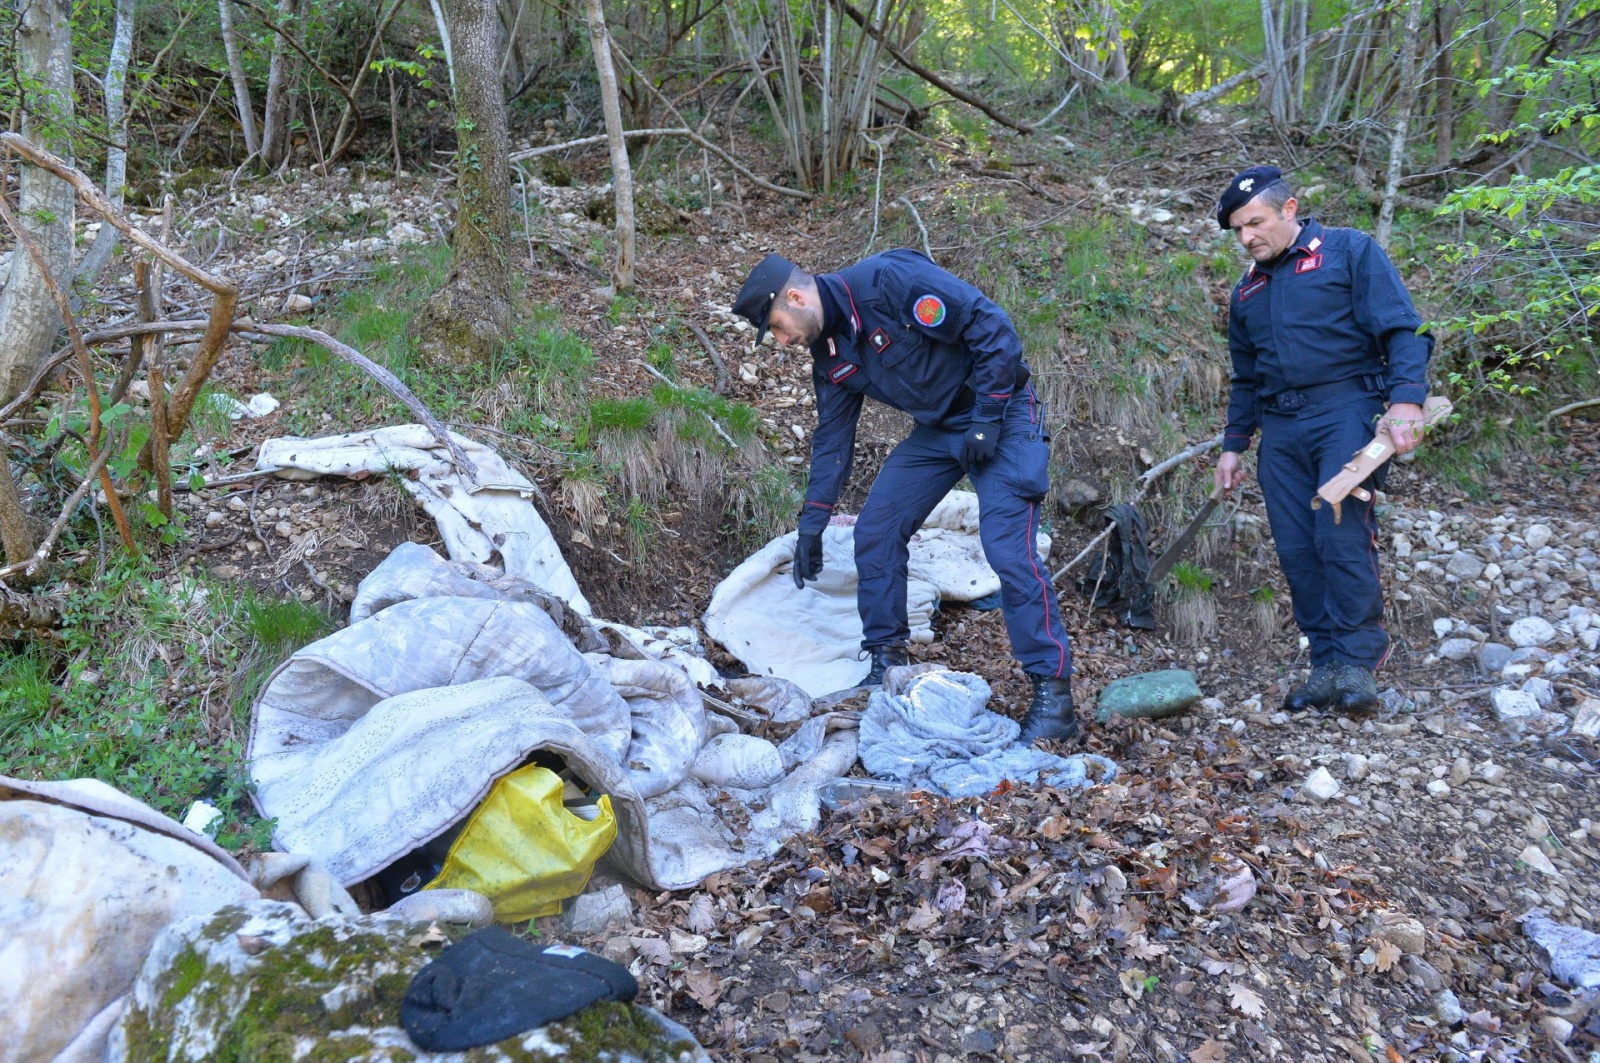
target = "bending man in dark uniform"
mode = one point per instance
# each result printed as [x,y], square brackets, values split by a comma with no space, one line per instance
[898,329]
[1322,334]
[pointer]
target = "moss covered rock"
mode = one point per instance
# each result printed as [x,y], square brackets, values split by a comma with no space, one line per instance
[263,983]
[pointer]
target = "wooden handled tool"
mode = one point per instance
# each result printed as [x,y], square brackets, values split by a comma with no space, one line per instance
[1370,458]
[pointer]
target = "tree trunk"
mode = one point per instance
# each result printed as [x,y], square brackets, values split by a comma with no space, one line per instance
[1444,97]
[621,168]
[1402,120]
[241,86]
[468,319]
[282,73]
[28,316]
[105,241]
[15,535]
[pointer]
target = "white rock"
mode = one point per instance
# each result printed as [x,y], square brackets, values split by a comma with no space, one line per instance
[1511,705]
[1355,767]
[683,944]
[1543,691]
[297,303]
[1457,649]
[405,233]
[1491,773]
[1460,772]
[1586,720]
[592,913]
[1463,565]
[1402,549]
[1589,639]
[1439,788]
[1537,536]
[1534,857]
[1531,631]
[1320,786]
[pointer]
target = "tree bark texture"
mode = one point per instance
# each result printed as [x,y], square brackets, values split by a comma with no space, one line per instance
[282,74]
[1402,121]
[28,315]
[621,168]
[116,80]
[241,85]
[469,317]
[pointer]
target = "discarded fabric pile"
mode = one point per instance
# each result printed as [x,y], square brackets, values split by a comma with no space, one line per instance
[812,637]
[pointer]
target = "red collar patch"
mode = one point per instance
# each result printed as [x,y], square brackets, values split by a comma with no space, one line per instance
[1309,263]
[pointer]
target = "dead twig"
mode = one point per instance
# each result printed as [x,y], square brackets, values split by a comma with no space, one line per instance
[252,515]
[921,228]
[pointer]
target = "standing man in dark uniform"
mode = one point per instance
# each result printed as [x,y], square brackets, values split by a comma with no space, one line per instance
[898,329]
[1322,334]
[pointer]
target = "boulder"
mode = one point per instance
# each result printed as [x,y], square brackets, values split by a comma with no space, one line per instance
[263,981]
[1149,696]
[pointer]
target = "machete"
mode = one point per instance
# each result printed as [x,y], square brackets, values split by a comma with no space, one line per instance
[1172,554]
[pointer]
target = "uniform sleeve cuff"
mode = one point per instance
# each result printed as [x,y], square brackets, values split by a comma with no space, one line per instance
[1235,444]
[1416,394]
[988,411]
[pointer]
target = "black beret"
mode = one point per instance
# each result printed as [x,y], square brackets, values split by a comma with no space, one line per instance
[1245,186]
[760,290]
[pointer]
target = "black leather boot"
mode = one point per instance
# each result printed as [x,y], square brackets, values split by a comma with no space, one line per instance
[1355,689]
[1050,713]
[883,659]
[1315,693]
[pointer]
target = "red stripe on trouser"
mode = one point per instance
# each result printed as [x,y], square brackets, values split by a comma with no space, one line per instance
[1031,546]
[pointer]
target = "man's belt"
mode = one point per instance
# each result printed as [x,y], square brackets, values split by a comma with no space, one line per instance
[1293,400]
[967,397]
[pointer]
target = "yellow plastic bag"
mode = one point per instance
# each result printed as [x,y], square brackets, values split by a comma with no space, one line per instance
[523,850]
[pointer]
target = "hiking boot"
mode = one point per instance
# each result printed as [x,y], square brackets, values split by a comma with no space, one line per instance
[883,659]
[1315,693]
[1355,689]
[1050,712]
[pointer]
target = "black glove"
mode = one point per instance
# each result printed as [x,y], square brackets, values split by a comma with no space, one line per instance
[807,558]
[978,445]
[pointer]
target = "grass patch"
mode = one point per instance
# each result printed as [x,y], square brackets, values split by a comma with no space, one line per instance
[147,687]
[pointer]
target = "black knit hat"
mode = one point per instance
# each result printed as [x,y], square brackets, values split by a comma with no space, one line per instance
[1245,186]
[761,290]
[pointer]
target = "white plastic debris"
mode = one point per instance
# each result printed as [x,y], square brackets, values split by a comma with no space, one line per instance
[203,818]
[261,404]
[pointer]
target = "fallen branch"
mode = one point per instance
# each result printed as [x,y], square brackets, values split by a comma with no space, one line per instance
[1571,407]
[1146,480]
[584,142]
[1260,70]
[925,74]
[714,354]
[921,228]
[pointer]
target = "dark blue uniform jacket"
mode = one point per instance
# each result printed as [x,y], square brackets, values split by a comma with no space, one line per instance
[913,337]
[1331,308]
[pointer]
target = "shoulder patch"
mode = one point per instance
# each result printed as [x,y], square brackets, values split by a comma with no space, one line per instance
[930,310]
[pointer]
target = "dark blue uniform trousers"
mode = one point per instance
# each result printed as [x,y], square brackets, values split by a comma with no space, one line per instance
[1011,488]
[1332,568]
